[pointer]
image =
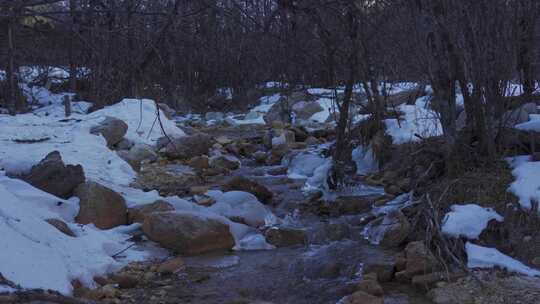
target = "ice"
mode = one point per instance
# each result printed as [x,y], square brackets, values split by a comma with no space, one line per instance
[483,257]
[468,220]
[365,160]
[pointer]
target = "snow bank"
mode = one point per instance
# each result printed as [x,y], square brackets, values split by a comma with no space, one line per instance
[36,255]
[328,105]
[468,220]
[527,184]
[532,125]
[483,257]
[140,116]
[417,119]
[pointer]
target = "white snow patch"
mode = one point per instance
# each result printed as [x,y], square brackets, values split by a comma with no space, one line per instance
[418,120]
[244,205]
[365,160]
[527,184]
[483,257]
[468,220]
[37,255]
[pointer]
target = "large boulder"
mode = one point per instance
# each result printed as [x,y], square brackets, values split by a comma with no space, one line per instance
[240,183]
[112,129]
[407,96]
[520,115]
[189,146]
[100,206]
[361,297]
[228,162]
[170,179]
[186,233]
[139,213]
[137,154]
[283,237]
[396,229]
[53,176]
[305,109]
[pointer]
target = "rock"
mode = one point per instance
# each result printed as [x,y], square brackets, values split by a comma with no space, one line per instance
[204,200]
[393,189]
[461,121]
[137,154]
[397,228]
[189,146]
[241,183]
[187,234]
[101,206]
[137,214]
[419,261]
[286,137]
[305,109]
[199,163]
[383,271]
[520,115]
[277,154]
[166,110]
[370,286]
[53,176]
[198,190]
[536,261]
[223,140]
[407,96]
[284,237]
[112,129]
[125,281]
[171,266]
[449,296]
[124,144]
[61,226]
[361,297]
[280,170]
[311,141]
[260,157]
[170,179]
[228,162]
[279,112]
[428,281]
[353,204]
[217,116]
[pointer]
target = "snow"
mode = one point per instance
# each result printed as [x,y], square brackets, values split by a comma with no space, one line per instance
[483,257]
[304,165]
[365,160]
[328,105]
[36,255]
[532,125]
[243,205]
[468,220]
[6,289]
[527,184]
[417,119]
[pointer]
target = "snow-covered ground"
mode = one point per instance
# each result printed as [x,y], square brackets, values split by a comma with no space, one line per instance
[484,257]
[526,185]
[468,220]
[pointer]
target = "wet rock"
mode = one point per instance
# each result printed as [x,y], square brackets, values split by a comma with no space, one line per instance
[171,266]
[53,176]
[280,170]
[204,200]
[241,183]
[61,226]
[361,297]
[260,157]
[187,234]
[189,146]
[137,214]
[101,206]
[311,141]
[198,190]
[284,137]
[419,261]
[224,161]
[284,237]
[397,229]
[277,154]
[112,129]
[137,154]
[217,116]
[353,204]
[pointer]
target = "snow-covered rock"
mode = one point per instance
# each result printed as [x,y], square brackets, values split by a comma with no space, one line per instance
[242,206]
[468,220]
